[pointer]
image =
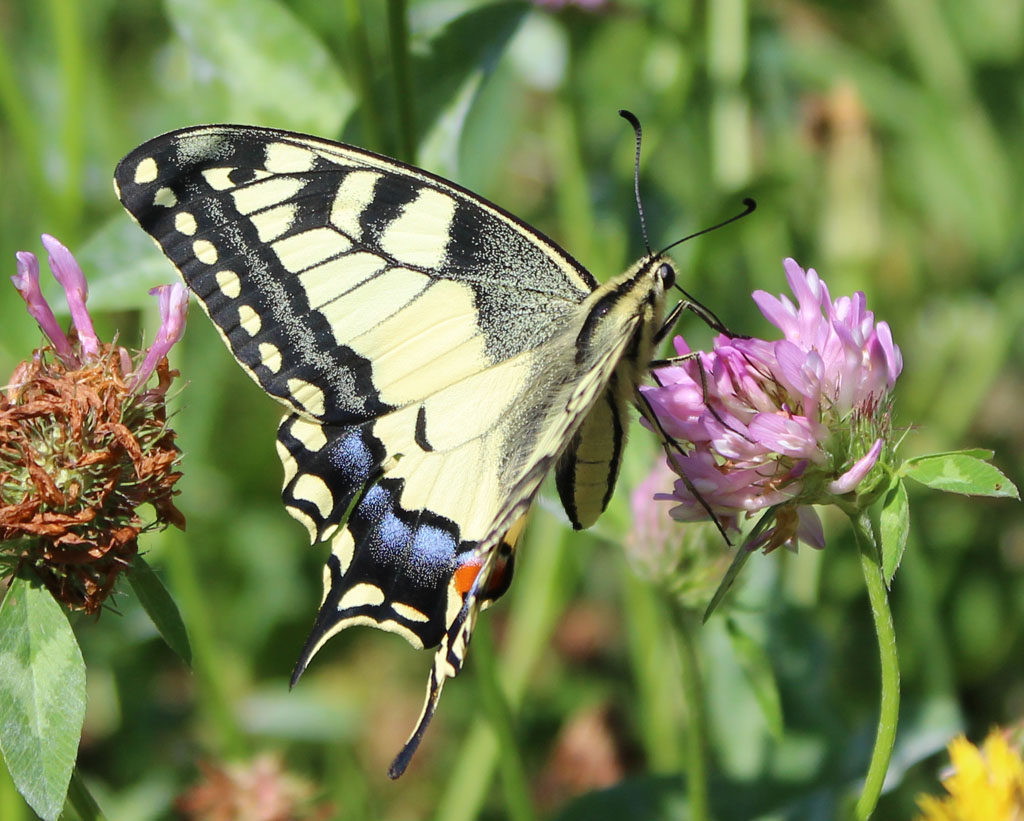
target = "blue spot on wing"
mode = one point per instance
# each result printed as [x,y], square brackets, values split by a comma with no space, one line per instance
[433,554]
[373,506]
[346,463]
[415,553]
[409,554]
[392,534]
[351,457]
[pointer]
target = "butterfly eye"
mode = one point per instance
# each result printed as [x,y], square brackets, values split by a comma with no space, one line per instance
[667,275]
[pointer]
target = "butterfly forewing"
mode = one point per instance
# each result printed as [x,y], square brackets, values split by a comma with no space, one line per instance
[435,354]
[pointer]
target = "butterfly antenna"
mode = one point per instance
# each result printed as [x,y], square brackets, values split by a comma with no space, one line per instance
[749,206]
[630,117]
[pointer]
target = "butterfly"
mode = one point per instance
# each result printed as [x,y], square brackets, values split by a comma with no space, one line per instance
[436,358]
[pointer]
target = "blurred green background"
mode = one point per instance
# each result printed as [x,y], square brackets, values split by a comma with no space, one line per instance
[884,142]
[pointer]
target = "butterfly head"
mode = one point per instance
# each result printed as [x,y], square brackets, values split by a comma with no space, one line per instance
[626,310]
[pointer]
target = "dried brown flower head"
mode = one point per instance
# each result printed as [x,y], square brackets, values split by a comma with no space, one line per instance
[83,444]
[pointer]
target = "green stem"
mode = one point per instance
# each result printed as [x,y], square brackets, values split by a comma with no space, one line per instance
[66,22]
[890,697]
[657,694]
[216,695]
[496,705]
[696,766]
[543,579]
[398,38]
[12,805]
[198,430]
[21,123]
[360,65]
[81,800]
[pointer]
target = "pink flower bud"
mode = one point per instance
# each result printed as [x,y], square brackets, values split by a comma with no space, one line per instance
[27,283]
[173,303]
[68,273]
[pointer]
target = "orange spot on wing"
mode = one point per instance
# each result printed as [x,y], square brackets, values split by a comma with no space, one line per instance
[466,574]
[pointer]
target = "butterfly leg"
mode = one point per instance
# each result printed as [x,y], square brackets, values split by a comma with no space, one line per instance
[692,305]
[670,446]
[694,356]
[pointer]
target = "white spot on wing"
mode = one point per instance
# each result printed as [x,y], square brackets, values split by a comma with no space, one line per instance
[409,613]
[266,194]
[304,519]
[249,320]
[205,251]
[343,546]
[420,234]
[354,194]
[165,198]
[283,158]
[362,595]
[302,251]
[430,343]
[291,467]
[393,626]
[313,489]
[146,171]
[372,302]
[184,222]
[270,356]
[229,284]
[310,433]
[273,222]
[307,396]
[218,178]
[329,281]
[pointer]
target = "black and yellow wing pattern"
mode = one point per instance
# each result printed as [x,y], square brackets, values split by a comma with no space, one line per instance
[436,358]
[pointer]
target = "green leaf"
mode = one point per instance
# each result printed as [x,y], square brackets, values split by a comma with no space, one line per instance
[740,559]
[268,65]
[984,454]
[758,670]
[895,527]
[42,696]
[461,55]
[960,472]
[160,607]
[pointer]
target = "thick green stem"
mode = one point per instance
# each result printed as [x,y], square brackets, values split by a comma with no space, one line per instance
[216,695]
[542,590]
[69,35]
[696,766]
[890,697]
[81,800]
[360,67]
[398,38]
[496,705]
[12,805]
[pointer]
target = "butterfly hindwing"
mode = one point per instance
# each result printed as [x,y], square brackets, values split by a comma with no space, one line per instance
[398,579]
[586,472]
[435,355]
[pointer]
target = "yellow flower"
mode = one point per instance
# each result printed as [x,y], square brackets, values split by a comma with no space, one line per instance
[986,785]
